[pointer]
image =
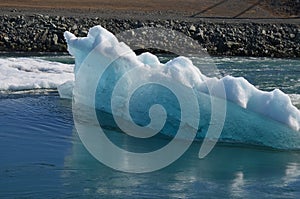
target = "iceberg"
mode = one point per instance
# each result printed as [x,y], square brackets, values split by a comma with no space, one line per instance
[252,116]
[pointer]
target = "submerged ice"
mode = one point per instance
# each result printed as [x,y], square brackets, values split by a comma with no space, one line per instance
[253,116]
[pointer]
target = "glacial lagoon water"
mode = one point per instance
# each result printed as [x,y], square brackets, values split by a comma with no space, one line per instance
[41,155]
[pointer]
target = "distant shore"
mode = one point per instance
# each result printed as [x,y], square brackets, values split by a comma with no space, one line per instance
[35,30]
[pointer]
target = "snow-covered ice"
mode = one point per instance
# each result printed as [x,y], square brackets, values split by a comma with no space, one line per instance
[18,74]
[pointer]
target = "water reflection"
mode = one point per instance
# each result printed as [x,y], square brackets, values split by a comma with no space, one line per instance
[237,189]
[292,174]
[231,171]
[40,158]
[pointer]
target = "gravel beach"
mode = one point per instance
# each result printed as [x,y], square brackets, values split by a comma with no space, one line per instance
[29,27]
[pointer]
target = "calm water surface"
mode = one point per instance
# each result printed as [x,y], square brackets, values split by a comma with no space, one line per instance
[41,155]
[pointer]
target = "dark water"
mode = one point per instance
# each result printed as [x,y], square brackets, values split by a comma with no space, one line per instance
[41,155]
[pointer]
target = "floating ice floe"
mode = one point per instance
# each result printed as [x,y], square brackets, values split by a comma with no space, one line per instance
[253,116]
[18,74]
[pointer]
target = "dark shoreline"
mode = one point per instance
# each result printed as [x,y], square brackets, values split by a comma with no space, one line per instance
[42,33]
